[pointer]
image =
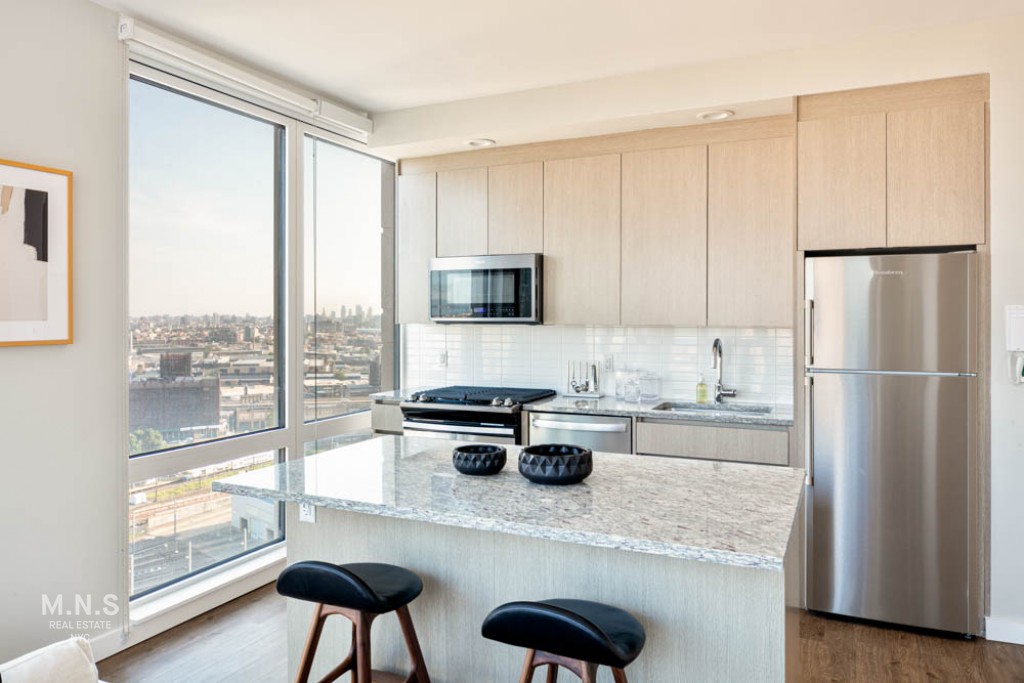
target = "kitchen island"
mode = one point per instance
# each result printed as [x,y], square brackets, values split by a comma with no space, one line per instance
[703,553]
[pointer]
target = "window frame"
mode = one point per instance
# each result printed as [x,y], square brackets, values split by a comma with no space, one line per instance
[293,433]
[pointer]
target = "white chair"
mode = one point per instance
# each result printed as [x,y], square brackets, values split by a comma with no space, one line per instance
[69,661]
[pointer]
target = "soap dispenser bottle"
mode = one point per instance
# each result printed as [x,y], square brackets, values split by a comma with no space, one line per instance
[702,390]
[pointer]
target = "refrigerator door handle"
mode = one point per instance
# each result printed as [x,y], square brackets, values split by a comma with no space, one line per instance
[809,431]
[890,373]
[808,332]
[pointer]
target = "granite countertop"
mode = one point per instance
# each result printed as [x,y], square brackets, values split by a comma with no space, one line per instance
[724,513]
[397,396]
[609,405]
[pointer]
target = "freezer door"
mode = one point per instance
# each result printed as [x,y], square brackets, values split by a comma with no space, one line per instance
[889,524]
[905,312]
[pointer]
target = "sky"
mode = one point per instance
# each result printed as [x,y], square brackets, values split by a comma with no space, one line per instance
[201,235]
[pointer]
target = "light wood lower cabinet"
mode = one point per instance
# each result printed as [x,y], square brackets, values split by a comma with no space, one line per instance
[751,233]
[582,241]
[762,445]
[386,418]
[416,237]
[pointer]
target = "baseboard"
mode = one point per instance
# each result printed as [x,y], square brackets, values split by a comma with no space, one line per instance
[1004,630]
[107,644]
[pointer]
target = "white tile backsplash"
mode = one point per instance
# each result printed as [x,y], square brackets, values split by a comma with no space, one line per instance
[758,362]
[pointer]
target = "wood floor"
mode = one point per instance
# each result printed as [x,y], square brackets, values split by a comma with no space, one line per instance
[244,641]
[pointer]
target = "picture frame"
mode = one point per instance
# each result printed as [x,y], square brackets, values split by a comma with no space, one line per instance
[36,286]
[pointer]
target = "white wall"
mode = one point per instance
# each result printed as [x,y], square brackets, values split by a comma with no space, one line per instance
[61,413]
[990,46]
[758,362]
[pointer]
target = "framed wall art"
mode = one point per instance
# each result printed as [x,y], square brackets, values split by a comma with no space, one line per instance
[35,255]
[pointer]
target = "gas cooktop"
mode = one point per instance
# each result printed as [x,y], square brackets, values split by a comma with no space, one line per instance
[481,396]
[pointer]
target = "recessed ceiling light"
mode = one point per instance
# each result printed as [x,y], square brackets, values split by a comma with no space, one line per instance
[480,142]
[716,115]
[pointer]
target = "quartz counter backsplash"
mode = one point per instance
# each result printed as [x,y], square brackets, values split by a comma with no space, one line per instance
[758,362]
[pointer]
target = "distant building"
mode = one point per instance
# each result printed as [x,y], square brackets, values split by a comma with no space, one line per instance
[373,374]
[174,364]
[181,409]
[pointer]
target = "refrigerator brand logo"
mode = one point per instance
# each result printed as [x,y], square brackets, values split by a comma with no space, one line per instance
[888,272]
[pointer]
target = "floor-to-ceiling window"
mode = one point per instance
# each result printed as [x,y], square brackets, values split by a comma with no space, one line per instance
[256,314]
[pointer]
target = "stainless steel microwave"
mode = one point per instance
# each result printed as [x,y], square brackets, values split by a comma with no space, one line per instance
[487,289]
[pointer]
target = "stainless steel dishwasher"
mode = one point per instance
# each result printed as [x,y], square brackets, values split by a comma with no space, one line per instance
[596,432]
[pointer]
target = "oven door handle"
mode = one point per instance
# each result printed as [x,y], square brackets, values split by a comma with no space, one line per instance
[456,429]
[578,426]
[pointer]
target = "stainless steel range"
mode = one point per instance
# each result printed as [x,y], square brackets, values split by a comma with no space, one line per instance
[461,413]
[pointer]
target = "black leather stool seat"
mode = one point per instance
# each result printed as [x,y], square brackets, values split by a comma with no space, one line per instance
[362,586]
[577,629]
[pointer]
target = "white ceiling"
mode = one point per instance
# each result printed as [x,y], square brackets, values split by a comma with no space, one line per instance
[382,55]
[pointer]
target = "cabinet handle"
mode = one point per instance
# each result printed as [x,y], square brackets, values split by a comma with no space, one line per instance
[578,426]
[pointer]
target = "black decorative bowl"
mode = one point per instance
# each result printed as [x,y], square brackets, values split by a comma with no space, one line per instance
[556,463]
[478,459]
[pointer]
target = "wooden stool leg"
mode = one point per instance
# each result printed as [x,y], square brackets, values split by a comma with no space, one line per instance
[528,667]
[412,643]
[308,652]
[619,675]
[588,672]
[552,673]
[364,669]
[346,665]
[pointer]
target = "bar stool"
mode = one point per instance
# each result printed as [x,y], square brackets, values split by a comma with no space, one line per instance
[577,635]
[360,592]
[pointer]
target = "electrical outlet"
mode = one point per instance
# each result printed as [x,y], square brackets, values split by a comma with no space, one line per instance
[609,361]
[442,359]
[307,513]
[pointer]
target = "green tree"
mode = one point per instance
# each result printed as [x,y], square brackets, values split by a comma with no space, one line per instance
[145,440]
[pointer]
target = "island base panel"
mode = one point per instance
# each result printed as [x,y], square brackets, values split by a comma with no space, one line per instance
[704,621]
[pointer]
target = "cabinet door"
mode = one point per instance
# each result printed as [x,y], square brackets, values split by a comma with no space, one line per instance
[937,176]
[462,212]
[664,237]
[581,240]
[416,235]
[750,233]
[841,176]
[766,446]
[515,209]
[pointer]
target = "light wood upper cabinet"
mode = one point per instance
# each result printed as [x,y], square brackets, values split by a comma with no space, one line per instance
[841,167]
[416,235]
[894,166]
[581,240]
[515,209]
[462,212]
[751,219]
[936,168]
[664,237]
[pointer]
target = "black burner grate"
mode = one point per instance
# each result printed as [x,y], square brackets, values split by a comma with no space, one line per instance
[482,395]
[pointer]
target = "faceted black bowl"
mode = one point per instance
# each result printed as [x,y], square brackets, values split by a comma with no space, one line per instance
[478,459]
[556,463]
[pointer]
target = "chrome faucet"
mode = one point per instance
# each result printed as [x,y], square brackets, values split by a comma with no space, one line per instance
[716,364]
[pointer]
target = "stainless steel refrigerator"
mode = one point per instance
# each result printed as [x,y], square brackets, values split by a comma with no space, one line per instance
[891,413]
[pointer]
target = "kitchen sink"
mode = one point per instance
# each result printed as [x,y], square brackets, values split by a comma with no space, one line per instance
[685,407]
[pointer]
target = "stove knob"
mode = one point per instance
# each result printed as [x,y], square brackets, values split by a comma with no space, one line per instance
[423,398]
[496,401]
[509,402]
